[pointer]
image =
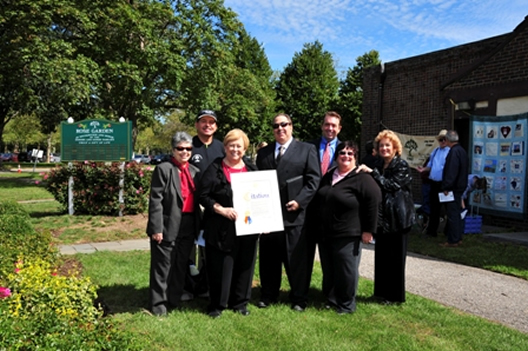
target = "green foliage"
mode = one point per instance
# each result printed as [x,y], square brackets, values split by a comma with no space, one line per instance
[12,208]
[351,96]
[96,187]
[308,88]
[50,311]
[19,238]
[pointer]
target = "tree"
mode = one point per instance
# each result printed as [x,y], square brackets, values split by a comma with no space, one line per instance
[138,50]
[308,88]
[351,95]
[226,71]
[41,72]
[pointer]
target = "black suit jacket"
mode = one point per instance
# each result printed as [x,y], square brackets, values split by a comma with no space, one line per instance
[300,159]
[317,142]
[219,231]
[166,202]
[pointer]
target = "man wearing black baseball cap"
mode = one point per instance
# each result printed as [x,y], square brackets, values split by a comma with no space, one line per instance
[205,150]
[205,147]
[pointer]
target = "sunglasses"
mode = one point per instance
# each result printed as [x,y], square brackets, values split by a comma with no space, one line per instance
[282,124]
[181,148]
[441,140]
[346,153]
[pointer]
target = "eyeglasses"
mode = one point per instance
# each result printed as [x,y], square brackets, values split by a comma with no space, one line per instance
[181,148]
[346,153]
[282,124]
[441,140]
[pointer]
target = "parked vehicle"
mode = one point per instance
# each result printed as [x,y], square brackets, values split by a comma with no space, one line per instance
[7,157]
[139,158]
[55,158]
[160,158]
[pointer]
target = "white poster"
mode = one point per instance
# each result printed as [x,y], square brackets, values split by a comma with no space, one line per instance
[256,199]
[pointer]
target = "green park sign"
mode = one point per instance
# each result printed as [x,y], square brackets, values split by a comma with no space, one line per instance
[96,140]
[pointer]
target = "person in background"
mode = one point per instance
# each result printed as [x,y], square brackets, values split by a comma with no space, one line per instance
[371,158]
[298,175]
[205,149]
[230,258]
[435,167]
[347,216]
[454,180]
[474,183]
[172,225]
[391,245]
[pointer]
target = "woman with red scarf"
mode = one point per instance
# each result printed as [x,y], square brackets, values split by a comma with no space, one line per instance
[172,225]
[230,258]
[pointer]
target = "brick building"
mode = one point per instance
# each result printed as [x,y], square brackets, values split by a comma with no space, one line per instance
[441,90]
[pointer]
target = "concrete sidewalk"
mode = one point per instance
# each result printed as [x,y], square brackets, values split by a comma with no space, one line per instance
[493,296]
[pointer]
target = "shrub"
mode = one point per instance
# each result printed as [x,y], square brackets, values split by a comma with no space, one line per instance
[96,187]
[19,238]
[12,207]
[45,310]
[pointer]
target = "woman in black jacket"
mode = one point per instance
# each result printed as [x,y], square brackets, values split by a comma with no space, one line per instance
[391,243]
[347,208]
[230,258]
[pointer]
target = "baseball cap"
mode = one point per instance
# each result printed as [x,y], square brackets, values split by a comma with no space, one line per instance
[442,134]
[204,113]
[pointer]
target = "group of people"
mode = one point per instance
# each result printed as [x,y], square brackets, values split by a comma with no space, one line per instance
[447,174]
[338,204]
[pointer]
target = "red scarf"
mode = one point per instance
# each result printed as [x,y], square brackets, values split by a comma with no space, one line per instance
[187,186]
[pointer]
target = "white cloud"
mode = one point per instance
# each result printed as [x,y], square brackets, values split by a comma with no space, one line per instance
[395,28]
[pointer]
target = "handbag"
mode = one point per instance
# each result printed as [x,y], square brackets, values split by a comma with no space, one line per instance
[398,211]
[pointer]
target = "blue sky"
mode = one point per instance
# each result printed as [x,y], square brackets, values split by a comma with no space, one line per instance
[397,29]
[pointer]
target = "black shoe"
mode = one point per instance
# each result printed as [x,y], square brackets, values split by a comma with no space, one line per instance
[298,308]
[263,304]
[214,313]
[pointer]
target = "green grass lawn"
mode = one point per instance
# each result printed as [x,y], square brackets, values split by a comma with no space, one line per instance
[419,324]
[22,187]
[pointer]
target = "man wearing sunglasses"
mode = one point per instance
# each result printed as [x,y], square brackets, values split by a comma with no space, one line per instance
[298,174]
[436,167]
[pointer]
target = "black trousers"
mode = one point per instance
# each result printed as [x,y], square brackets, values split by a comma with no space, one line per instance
[455,225]
[435,208]
[230,274]
[168,266]
[390,252]
[340,259]
[289,248]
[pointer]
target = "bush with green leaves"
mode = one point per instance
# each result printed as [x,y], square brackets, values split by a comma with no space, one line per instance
[96,187]
[41,309]
[19,238]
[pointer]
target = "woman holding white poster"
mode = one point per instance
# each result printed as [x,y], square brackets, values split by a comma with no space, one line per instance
[230,258]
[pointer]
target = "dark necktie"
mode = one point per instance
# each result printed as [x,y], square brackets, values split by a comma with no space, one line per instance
[279,155]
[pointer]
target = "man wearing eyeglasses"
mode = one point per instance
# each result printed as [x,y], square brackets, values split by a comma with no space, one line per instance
[298,174]
[436,167]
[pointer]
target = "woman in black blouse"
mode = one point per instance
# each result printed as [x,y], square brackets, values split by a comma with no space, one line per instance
[230,258]
[347,208]
[392,175]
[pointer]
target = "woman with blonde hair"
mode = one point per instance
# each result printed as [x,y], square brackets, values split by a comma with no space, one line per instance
[397,216]
[230,258]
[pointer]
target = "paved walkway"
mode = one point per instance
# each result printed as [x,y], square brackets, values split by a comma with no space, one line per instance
[493,296]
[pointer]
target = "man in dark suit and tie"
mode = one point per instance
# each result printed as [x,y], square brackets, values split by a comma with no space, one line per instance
[326,146]
[298,174]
